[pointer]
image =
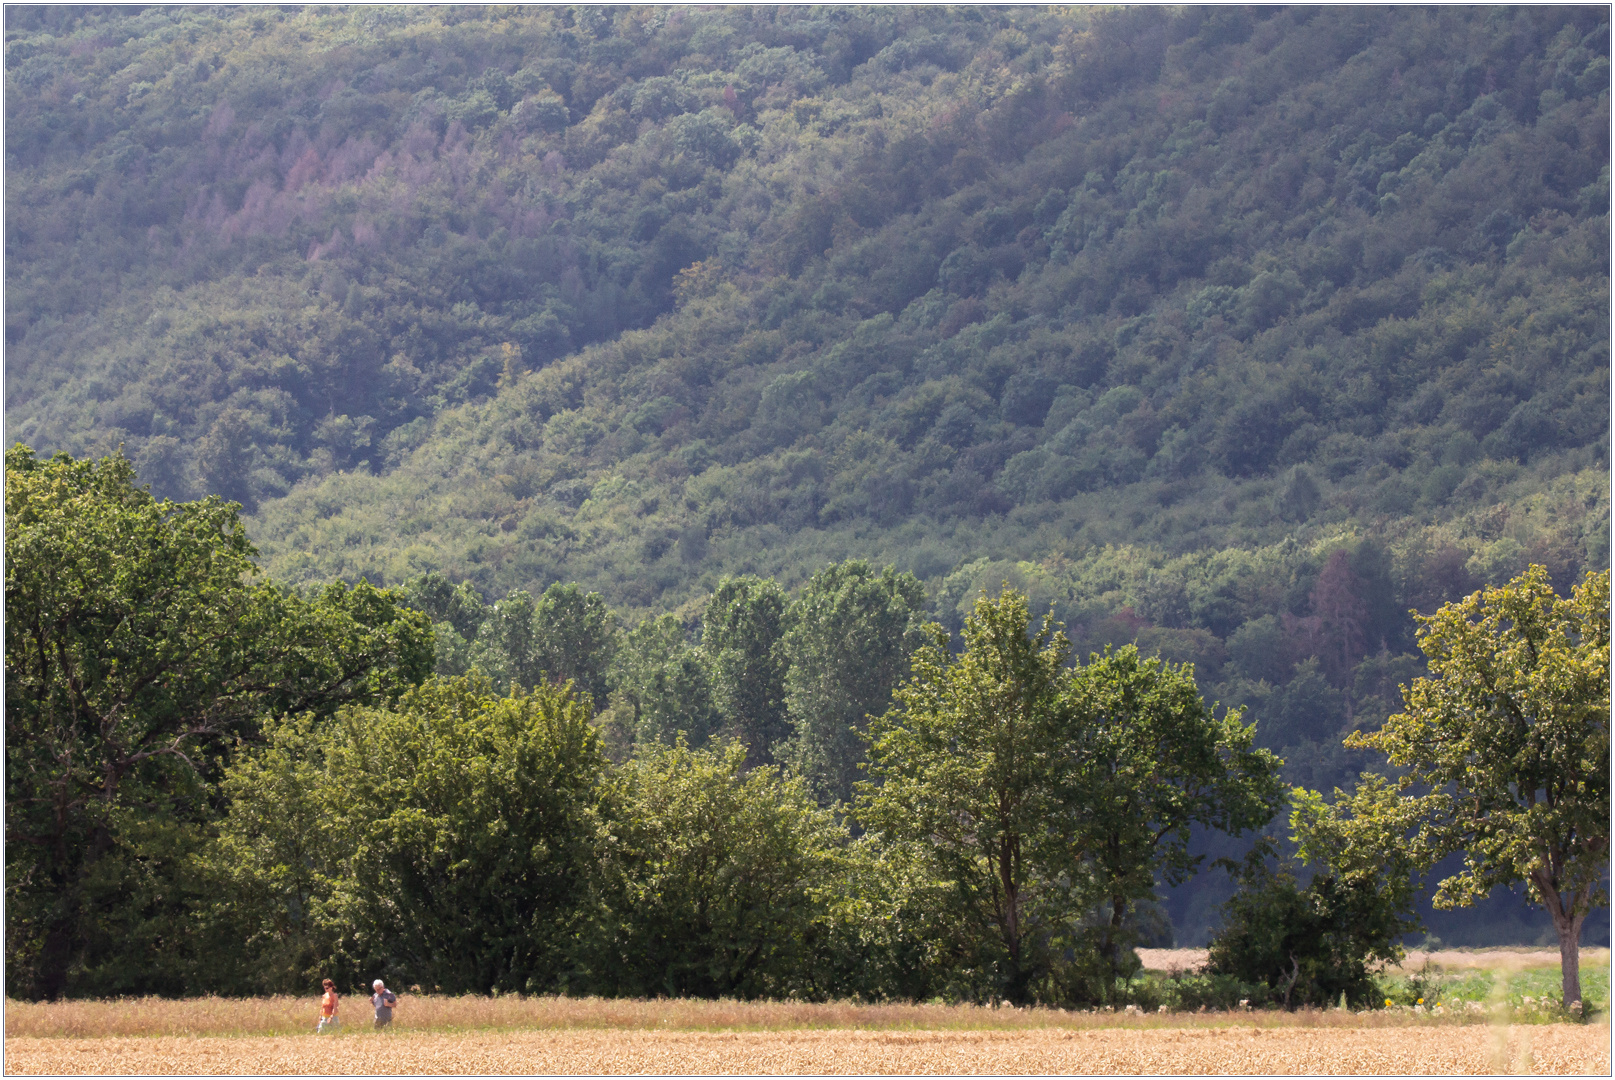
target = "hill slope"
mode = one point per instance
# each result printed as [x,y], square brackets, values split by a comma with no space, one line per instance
[1013,284]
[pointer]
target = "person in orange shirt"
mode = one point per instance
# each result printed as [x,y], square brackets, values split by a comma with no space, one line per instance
[328,1003]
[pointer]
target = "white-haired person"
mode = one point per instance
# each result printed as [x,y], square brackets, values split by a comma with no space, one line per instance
[385,1002]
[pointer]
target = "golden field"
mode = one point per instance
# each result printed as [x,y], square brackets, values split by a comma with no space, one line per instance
[442,1014]
[1557,1049]
[513,1034]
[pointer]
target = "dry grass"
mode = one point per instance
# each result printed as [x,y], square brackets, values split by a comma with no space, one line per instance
[205,1017]
[1244,1049]
[1505,958]
[513,1035]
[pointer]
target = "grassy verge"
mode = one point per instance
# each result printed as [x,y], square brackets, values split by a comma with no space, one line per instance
[1527,995]
[1519,985]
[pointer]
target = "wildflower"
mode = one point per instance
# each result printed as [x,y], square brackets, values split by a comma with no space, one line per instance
[1163,1007]
[1421,1001]
[1387,1003]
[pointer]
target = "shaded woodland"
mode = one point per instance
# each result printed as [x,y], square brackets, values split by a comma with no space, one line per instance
[702,357]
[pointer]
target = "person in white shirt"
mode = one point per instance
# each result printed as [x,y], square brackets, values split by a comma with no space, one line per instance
[385,1001]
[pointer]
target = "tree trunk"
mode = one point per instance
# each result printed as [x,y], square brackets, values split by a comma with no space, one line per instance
[1015,986]
[1569,929]
[1567,924]
[1113,944]
[55,958]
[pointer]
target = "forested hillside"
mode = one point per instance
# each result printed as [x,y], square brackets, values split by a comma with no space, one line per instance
[1234,333]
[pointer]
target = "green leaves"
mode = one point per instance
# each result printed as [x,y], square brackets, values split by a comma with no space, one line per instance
[742,629]
[852,632]
[566,635]
[1514,724]
[1509,740]
[139,649]
[662,685]
[967,765]
[447,839]
[1153,760]
[716,878]
[1050,801]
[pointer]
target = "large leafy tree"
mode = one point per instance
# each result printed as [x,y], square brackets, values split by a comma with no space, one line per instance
[577,636]
[456,611]
[1309,944]
[853,629]
[1509,741]
[714,876]
[566,635]
[1151,761]
[660,685]
[1047,794]
[445,839]
[967,767]
[139,647]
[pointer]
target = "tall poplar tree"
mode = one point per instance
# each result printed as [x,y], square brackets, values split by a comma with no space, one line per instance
[741,634]
[853,631]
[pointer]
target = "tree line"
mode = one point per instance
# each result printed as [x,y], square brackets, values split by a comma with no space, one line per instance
[218,784]
[790,677]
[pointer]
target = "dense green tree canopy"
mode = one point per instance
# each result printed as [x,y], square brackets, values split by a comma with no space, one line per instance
[1152,761]
[1505,749]
[566,635]
[1316,943]
[715,877]
[852,632]
[269,800]
[646,297]
[1229,333]
[1042,794]
[967,766]
[139,647]
[742,628]
[456,835]
[661,686]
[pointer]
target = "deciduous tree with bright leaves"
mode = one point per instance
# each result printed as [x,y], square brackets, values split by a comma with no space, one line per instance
[1504,749]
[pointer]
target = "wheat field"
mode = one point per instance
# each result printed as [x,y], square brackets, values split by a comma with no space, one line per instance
[1551,1049]
[436,1034]
[443,1014]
